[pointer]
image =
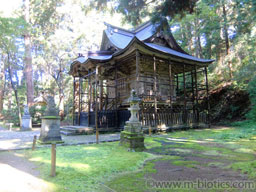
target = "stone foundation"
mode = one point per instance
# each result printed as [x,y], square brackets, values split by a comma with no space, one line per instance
[133,141]
[26,123]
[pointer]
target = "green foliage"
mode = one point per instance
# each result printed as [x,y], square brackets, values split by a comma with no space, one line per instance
[11,115]
[135,11]
[252,92]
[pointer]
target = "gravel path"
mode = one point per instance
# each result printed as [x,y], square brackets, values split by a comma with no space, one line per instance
[12,140]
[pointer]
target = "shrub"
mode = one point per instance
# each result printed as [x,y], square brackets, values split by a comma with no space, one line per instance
[252,92]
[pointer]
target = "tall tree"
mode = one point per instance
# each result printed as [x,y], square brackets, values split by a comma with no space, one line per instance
[28,71]
[2,83]
[11,30]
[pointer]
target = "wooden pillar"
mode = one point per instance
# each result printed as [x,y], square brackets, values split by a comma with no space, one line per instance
[96,103]
[117,97]
[137,72]
[207,95]
[74,102]
[155,85]
[196,95]
[101,90]
[177,84]
[171,85]
[79,103]
[89,96]
[155,92]
[193,91]
[185,96]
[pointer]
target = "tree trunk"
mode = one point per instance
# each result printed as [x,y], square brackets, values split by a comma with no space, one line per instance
[28,71]
[189,37]
[2,87]
[197,37]
[15,90]
[225,28]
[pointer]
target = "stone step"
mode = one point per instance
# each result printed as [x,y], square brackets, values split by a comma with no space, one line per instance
[76,130]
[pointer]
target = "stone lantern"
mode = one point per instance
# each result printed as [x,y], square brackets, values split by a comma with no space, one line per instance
[132,136]
[26,120]
[50,128]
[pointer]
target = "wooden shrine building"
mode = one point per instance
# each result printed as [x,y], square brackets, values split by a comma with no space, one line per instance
[170,82]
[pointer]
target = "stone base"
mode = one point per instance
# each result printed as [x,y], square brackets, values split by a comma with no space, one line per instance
[26,123]
[133,141]
[133,127]
[50,130]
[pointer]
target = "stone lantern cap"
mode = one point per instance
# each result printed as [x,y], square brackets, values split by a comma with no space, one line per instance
[51,109]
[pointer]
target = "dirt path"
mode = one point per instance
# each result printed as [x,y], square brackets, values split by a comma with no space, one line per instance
[201,168]
[19,175]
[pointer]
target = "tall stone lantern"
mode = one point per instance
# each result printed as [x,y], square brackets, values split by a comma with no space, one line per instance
[132,136]
[50,128]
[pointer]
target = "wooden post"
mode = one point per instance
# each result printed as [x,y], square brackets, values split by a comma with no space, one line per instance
[155,91]
[74,102]
[53,160]
[155,85]
[196,96]
[185,96]
[193,91]
[171,86]
[207,95]
[116,100]
[96,103]
[137,72]
[79,104]
[149,130]
[89,96]
[177,81]
[34,143]
[101,90]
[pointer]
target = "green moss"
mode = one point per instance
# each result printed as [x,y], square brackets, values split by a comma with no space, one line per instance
[245,167]
[151,142]
[136,181]
[50,117]
[216,164]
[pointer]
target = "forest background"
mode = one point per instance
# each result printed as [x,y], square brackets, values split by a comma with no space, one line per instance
[40,38]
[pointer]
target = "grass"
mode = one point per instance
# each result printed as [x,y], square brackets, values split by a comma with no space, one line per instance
[85,168]
[109,166]
[233,145]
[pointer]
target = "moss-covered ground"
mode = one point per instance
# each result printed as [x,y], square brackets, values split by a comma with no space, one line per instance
[110,167]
